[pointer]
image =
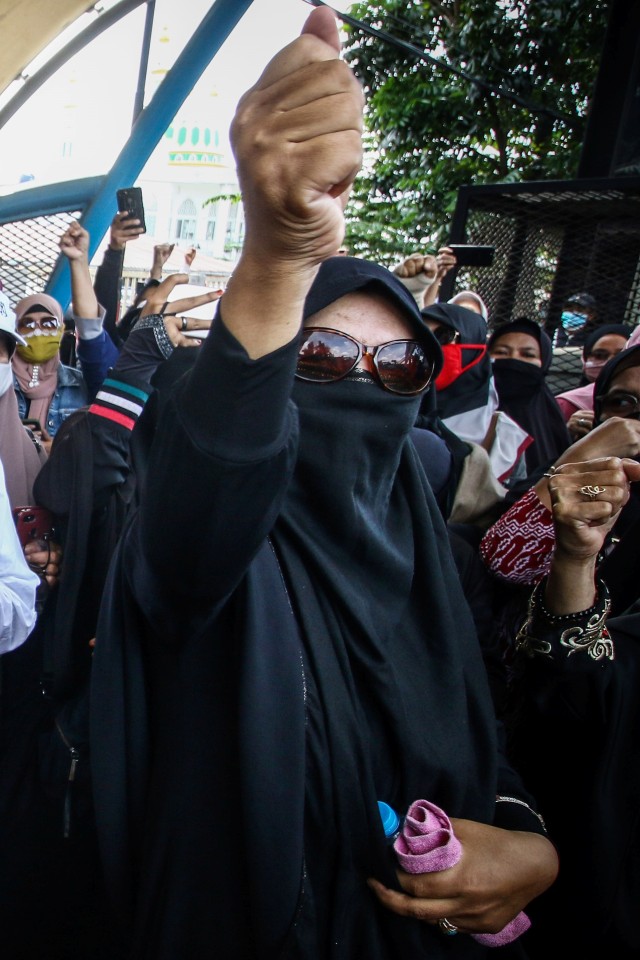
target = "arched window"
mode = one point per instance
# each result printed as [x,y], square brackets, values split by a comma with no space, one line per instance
[186,221]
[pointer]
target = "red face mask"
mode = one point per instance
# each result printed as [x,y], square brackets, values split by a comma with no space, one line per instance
[452,367]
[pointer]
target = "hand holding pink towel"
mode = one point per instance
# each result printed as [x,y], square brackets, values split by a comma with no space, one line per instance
[427,843]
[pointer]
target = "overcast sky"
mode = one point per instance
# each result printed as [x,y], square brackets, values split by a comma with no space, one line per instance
[88,103]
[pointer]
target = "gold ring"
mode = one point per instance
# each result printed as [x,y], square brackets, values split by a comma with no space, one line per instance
[591,491]
[449,929]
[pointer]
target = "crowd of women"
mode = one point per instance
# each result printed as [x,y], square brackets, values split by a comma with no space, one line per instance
[345,549]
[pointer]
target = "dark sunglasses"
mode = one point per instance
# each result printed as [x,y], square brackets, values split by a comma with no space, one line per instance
[326,355]
[445,335]
[27,322]
[620,405]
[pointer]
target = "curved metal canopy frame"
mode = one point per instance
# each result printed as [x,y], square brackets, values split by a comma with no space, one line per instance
[94,198]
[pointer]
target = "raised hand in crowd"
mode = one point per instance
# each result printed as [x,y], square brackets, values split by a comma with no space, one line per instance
[74,244]
[446,260]
[123,229]
[299,205]
[161,253]
[616,437]
[177,325]
[586,500]
[418,273]
[422,274]
[189,257]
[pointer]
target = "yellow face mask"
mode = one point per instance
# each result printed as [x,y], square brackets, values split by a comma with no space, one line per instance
[41,346]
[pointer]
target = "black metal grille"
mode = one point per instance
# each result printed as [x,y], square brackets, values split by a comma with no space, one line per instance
[29,250]
[553,240]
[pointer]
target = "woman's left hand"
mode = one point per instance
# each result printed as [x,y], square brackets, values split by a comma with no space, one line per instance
[499,873]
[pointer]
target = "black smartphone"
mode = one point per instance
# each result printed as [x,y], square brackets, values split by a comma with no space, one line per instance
[34,425]
[130,200]
[473,255]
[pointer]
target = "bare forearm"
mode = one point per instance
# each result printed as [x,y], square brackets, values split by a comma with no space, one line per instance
[431,294]
[571,585]
[84,300]
[263,303]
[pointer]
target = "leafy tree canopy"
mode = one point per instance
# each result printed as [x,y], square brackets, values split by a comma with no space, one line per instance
[431,131]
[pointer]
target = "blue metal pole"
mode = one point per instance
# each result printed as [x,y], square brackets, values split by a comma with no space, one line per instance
[150,127]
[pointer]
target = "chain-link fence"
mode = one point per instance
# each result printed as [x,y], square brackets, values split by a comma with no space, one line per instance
[553,240]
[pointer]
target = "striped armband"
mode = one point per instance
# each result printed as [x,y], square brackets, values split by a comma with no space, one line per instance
[119,402]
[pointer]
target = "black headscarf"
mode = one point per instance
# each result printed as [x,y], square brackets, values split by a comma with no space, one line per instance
[471,390]
[605,330]
[88,499]
[524,395]
[626,358]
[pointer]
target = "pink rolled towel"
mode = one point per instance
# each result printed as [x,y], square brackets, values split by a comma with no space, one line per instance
[427,843]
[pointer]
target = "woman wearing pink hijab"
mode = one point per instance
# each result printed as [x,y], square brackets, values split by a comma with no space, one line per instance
[46,389]
[603,343]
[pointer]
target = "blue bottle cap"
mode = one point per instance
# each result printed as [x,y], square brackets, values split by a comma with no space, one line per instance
[390,819]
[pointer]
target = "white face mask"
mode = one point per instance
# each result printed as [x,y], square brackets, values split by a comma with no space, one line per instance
[6,377]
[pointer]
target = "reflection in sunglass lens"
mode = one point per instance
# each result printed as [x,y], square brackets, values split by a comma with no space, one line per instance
[403,366]
[326,356]
[621,405]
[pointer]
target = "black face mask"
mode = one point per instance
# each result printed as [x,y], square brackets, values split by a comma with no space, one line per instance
[516,378]
[352,433]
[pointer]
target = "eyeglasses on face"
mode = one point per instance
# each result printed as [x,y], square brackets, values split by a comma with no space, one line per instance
[325,355]
[31,323]
[617,404]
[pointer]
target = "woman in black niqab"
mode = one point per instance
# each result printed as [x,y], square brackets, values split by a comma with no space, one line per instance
[375,690]
[524,395]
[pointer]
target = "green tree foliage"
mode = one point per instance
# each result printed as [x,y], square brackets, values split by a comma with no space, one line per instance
[430,131]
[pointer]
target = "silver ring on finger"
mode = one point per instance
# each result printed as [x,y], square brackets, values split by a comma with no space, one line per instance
[449,929]
[184,324]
